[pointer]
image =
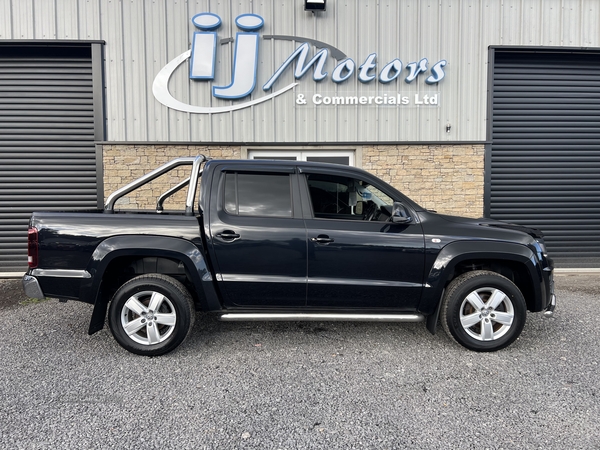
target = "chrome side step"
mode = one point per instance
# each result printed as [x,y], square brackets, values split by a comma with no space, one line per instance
[550,310]
[301,317]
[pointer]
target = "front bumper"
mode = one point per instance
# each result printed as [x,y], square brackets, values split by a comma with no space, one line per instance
[32,288]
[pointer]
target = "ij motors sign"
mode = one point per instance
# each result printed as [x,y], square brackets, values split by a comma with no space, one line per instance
[202,62]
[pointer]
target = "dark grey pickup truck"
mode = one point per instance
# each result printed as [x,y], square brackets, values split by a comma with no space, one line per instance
[288,240]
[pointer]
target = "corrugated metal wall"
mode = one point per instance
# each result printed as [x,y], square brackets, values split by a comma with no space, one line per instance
[545,168]
[142,36]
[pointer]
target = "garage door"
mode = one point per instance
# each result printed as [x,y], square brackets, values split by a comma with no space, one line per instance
[50,116]
[545,152]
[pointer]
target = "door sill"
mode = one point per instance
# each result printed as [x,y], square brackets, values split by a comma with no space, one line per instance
[316,317]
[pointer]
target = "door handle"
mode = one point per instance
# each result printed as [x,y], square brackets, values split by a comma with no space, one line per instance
[228,235]
[322,239]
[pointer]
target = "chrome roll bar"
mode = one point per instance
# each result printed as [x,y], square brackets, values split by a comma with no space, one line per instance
[194,161]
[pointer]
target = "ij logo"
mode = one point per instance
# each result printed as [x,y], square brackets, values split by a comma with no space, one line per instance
[202,57]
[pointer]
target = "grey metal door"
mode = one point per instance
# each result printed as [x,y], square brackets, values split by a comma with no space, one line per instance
[545,151]
[50,116]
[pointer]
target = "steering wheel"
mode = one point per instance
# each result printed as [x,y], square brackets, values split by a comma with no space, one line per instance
[371,212]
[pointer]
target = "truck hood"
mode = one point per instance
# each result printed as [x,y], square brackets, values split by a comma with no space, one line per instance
[494,224]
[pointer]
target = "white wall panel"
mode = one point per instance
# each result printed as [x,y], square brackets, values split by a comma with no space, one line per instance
[142,36]
[42,27]
[6,19]
[590,10]
[116,107]
[178,20]
[134,67]
[346,16]
[552,23]
[67,18]
[23,20]
[89,19]
[155,33]
[532,30]
[281,115]
[469,113]
[388,120]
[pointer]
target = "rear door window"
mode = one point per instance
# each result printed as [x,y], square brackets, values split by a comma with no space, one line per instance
[258,194]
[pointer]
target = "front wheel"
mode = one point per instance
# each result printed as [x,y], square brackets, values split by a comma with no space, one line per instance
[151,314]
[483,311]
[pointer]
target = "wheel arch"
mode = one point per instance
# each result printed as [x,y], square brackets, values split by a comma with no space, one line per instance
[120,258]
[514,261]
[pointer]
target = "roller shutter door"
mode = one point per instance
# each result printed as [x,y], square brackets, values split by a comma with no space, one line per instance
[47,133]
[545,153]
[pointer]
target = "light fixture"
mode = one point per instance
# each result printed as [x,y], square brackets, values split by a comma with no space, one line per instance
[315,5]
[448,126]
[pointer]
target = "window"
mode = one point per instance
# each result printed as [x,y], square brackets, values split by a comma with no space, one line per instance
[345,158]
[254,194]
[335,197]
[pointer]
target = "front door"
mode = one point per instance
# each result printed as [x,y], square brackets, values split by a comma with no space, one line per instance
[356,256]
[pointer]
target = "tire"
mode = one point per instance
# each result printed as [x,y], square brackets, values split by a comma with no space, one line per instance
[151,314]
[483,311]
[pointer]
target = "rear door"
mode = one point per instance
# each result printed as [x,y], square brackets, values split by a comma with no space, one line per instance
[356,256]
[257,236]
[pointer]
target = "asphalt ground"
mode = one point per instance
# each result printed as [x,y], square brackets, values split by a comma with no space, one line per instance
[299,385]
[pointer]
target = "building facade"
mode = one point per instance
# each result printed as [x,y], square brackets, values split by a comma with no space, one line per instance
[477,108]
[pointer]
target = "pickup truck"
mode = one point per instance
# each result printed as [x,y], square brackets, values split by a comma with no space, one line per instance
[265,240]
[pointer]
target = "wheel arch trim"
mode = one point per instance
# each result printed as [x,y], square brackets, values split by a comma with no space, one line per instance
[144,246]
[455,253]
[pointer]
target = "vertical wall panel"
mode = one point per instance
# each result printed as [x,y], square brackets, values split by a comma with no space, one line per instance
[572,22]
[23,19]
[282,115]
[590,12]
[429,47]
[222,124]
[367,42]
[552,23]
[531,31]
[42,27]
[67,19]
[470,114]
[90,15]
[116,107]
[306,126]
[345,20]
[134,66]
[155,33]
[178,20]
[5,19]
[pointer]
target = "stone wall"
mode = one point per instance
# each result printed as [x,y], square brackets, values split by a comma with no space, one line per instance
[446,178]
[125,163]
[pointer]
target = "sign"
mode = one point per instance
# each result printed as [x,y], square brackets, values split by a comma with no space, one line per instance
[202,62]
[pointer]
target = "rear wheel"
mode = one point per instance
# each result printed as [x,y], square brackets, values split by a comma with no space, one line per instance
[483,311]
[151,314]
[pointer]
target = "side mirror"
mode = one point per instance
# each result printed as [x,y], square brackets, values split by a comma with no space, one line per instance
[400,214]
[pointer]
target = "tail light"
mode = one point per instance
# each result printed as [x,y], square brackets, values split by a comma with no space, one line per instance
[32,247]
